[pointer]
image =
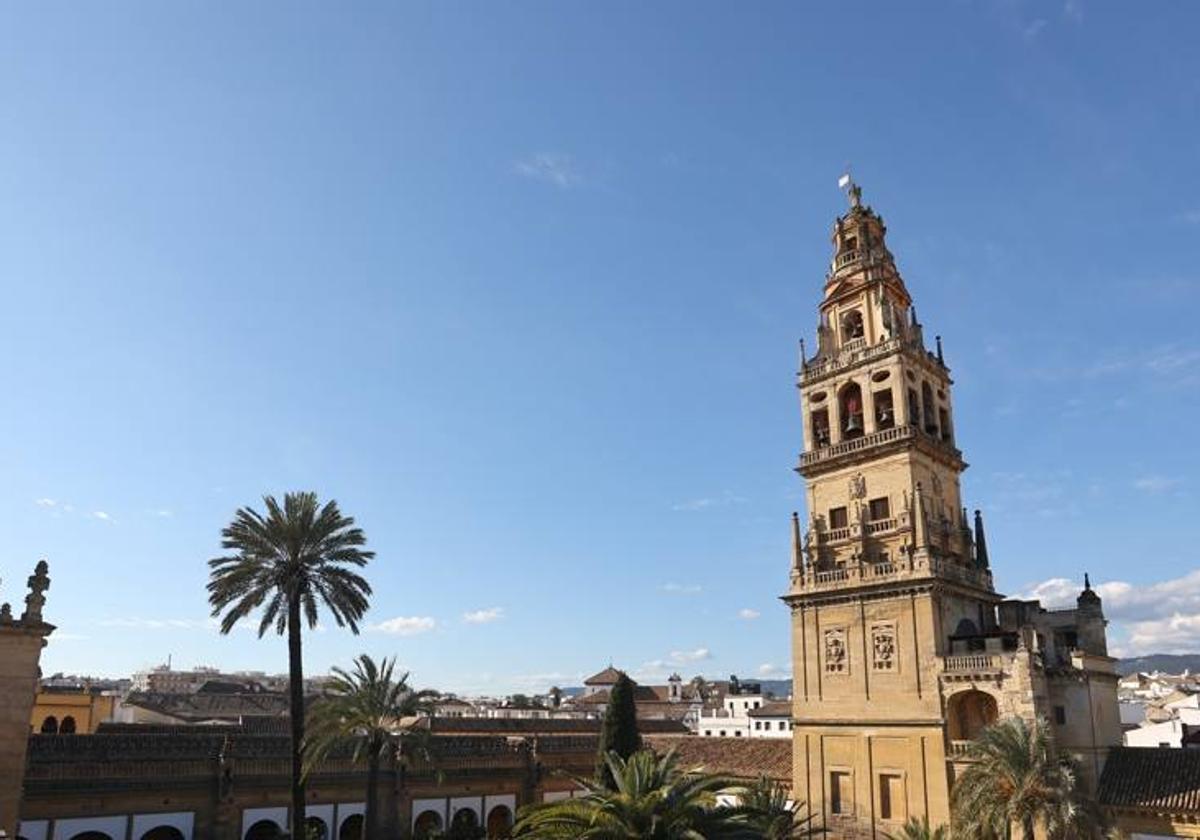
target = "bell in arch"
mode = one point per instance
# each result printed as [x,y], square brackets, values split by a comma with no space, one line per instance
[854,423]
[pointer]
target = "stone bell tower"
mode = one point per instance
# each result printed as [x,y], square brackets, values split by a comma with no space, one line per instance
[887,564]
[21,641]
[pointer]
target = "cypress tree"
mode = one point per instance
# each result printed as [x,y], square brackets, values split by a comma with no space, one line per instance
[619,733]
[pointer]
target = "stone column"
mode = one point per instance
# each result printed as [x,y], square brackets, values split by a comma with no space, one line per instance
[21,643]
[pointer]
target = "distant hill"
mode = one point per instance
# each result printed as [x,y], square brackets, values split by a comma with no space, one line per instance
[1167,662]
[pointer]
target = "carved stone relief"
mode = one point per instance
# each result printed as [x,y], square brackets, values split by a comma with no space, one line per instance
[837,659]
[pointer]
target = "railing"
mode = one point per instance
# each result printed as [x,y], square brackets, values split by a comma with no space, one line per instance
[851,354]
[895,569]
[865,442]
[854,344]
[973,662]
[847,257]
[959,749]
[835,534]
[878,526]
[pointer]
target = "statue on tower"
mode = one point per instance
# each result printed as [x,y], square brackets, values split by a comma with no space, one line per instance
[38,583]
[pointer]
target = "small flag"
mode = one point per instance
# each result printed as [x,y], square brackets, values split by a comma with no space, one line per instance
[843,182]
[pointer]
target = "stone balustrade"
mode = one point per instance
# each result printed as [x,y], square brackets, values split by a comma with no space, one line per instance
[895,570]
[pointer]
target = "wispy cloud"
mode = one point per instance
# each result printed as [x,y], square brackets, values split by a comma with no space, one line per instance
[1191,217]
[1031,32]
[1162,617]
[137,623]
[682,588]
[484,616]
[406,625]
[46,503]
[557,169]
[768,670]
[706,502]
[101,515]
[748,614]
[1073,11]
[162,513]
[658,668]
[1156,483]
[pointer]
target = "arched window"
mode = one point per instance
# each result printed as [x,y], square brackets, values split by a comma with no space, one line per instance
[820,427]
[928,409]
[464,820]
[944,422]
[852,326]
[91,835]
[499,823]
[851,405]
[67,727]
[264,830]
[315,829]
[50,725]
[352,828]
[914,409]
[163,832]
[427,823]
[970,712]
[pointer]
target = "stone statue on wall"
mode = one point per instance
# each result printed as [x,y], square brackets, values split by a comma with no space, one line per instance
[38,583]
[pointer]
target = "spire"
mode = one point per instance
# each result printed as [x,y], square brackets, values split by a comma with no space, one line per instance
[941,361]
[1087,583]
[920,525]
[797,548]
[803,355]
[1088,597]
[981,555]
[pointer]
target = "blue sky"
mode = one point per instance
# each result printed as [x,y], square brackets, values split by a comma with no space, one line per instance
[520,285]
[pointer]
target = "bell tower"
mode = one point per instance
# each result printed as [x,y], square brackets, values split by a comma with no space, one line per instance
[886,566]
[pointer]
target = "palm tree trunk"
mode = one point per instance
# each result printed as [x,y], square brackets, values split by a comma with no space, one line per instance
[296,704]
[1027,830]
[370,827]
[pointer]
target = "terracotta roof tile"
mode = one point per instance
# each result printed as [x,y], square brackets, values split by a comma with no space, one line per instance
[1148,777]
[773,708]
[608,676]
[744,758]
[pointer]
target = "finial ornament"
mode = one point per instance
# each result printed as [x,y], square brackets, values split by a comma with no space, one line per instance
[1087,582]
[854,193]
[6,613]
[38,583]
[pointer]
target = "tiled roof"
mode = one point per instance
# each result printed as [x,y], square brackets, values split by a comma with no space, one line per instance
[744,758]
[1148,777]
[608,676]
[774,708]
[198,707]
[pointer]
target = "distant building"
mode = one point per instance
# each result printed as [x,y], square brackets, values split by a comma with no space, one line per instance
[67,711]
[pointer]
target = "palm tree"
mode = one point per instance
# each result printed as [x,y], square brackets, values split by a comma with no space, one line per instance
[368,707]
[289,561]
[916,829]
[766,808]
[1016,779]
[653,799]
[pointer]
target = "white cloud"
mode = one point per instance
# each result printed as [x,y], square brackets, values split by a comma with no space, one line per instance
[682,657]
[406,625]
[768,670]
[101,515]
[46,503]
[162,513]
[1073,11]
[556,169]
[682,588]
[1156,483]
[1161,617]
[1192,217]
[484,616]
[748,614]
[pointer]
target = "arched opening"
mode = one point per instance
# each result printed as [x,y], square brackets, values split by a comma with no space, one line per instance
[914,409]
[851,404]
[427,823]
[50,725]
[499,823]
[163,832]
[67,727]
[315,829]
[820,427]
[91,835]
[352,828]
[885,413]
[928,410]
[464,821]
[944,422]
[970,712]
[852,326]
[264,830]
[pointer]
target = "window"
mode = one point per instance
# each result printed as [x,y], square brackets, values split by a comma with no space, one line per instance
[891,796]
[758,724]
[944,421]
[841,792]
[708,733]
[879,509]
[820,427]
[1060,715]
[838,518]
[885,415]
[722,733]
[756,704]
[928,409]
[737,734]
[782,725]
